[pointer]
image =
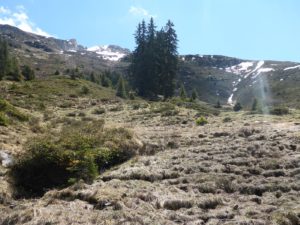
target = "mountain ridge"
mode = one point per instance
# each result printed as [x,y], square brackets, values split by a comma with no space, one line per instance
[215,77]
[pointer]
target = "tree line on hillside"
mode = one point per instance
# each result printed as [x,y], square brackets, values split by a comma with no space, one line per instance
[10,68]
[154,60]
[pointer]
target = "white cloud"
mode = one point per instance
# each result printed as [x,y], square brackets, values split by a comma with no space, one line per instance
[4,10]
[20,19]
[141,12]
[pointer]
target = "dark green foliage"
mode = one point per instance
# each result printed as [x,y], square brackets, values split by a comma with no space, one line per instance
[28,73]
[154,61]
[279,111]
[3,119]
[237,107]
[92,77]
[99,111]
[194,95]
[218,105]
[227,120]
[182,92]
[56,72]
[201,121]
[131,95]
[75,74]
[104,79]
[4,59]
[201,107]
[14,72]
[9,113]
[79,151]
[164,108]
[85,90]
[254,105]
[121,91]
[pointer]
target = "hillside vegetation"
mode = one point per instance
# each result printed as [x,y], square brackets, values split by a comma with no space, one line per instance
[154,138]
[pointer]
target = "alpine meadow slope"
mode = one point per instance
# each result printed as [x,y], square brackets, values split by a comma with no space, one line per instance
[79,145]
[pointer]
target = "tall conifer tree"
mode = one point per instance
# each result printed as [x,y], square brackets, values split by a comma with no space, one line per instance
[154,61]
[4,59]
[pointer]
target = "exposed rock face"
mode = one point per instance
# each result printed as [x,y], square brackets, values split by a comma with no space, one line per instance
[6,159]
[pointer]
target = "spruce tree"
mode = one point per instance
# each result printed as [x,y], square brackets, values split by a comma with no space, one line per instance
[4,59]
[92,77]
[182,92]
[104,80]
[154,61]
[28,73]
[171,60]
[15,73]
[237,107]
[194,95]
[254,105]
[218,105]
[138,60]
[121,91]
[150,57]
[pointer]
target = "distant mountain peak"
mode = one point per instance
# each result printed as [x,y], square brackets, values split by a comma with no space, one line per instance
[110,52]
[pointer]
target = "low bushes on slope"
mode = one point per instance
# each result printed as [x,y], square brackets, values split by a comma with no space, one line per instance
[201,107]
[79,151]
[279,111]
[8,113]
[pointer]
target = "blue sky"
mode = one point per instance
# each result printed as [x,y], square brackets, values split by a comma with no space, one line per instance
[249,29]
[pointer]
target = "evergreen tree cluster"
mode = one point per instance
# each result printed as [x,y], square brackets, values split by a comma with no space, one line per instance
[10,68]
[155,60]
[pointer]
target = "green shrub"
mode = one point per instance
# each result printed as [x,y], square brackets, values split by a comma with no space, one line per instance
[116,108]
[79,151]
[286,218]
[131,95]
[9,112]
[85,90]
[218,105]
[3,119]
[201,107]
[201,121]
[28,73]
[237,107]
[164,108]
[254,105]
[99,111]
[227,119]
[120,90]
[210,203]
[279,111]
[71,114]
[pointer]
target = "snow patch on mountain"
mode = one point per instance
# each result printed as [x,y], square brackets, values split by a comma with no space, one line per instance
[109,52]
[240,68]
[293,67]
[243,68]
[258,66]
[230,99]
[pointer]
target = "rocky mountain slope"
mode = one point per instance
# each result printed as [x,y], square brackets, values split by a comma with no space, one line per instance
[234,80]
[216,78]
